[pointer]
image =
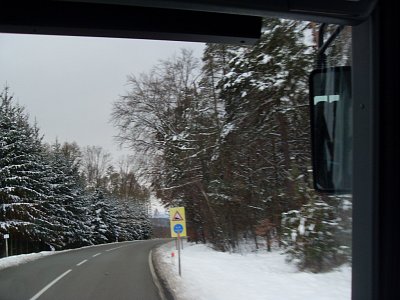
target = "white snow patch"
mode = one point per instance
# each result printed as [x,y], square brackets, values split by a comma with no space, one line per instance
[346,204]
[266,59]
[294,235]
[227,129]
[301,228]
[16,260]
[207,274]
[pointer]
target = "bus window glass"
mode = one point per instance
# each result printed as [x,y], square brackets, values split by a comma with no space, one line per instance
[221,130]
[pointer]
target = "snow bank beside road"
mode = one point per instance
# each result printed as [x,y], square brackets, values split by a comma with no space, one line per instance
[16,260]
[211,275]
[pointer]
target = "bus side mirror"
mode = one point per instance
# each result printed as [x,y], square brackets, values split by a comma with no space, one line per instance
[332,129]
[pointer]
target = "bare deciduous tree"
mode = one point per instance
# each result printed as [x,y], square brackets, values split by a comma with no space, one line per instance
[95,162]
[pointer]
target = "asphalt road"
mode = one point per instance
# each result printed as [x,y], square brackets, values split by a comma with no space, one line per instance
[107,272]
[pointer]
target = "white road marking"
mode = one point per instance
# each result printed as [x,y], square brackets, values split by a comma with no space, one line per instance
[49,285]
[114,248]
[82,262]
[97,254]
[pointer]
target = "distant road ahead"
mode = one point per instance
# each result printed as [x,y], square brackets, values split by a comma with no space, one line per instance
[107,272]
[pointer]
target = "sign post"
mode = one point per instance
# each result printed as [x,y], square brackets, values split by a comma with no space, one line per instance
[6,237]
[178,228]
[179,254]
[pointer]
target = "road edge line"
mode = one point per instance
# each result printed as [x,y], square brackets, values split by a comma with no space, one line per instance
[155,277]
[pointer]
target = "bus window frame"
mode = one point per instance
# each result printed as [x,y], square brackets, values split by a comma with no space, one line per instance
[375,230]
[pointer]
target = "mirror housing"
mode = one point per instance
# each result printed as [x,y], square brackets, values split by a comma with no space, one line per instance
[332,129]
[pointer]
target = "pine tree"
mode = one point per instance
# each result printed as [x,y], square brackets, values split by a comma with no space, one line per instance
[99,217]
[316,237]
[23,192]
[264,136]
[67,196]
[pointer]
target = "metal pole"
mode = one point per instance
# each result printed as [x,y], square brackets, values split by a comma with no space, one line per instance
[6,247]
[179,254]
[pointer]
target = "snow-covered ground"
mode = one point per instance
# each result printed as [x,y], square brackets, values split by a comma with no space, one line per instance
[211,275]
[15,260]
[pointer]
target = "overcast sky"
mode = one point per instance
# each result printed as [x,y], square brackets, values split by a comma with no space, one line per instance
[69,83]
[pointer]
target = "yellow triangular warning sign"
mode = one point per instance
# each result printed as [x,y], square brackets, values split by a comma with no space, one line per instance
[177,221]
[177,217]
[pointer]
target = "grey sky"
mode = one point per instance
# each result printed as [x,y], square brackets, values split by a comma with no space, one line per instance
[69,83]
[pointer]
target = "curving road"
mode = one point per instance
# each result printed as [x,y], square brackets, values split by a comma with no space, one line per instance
[107,272]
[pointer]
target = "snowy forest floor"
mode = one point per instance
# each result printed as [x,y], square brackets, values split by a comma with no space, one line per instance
[212,275]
